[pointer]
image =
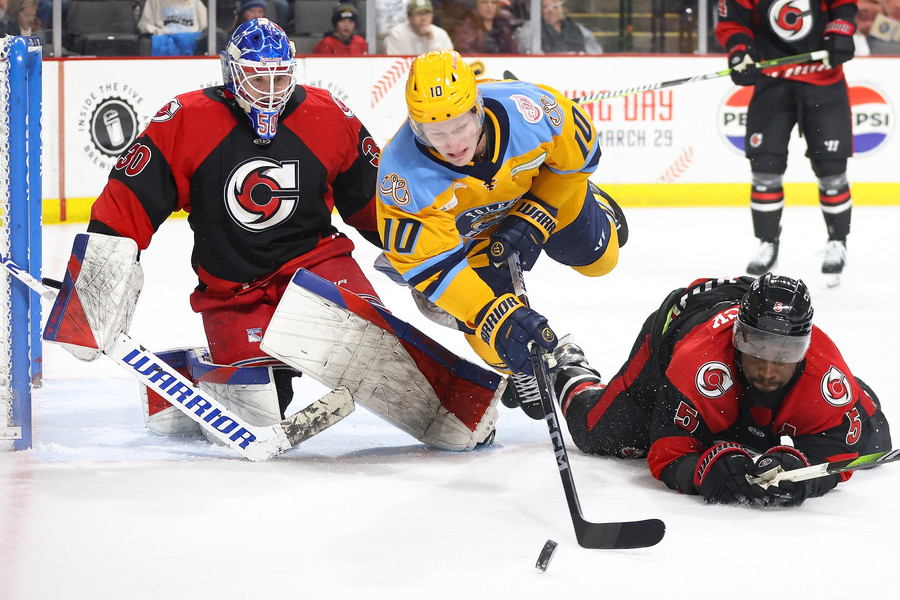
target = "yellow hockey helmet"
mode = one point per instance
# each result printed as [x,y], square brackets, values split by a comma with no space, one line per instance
[441,86]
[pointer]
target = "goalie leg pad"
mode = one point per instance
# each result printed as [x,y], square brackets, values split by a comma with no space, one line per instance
[390,368]
[250,392]
[99,291]
[160,416]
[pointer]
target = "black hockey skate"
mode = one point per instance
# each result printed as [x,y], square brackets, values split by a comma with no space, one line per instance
[834,261]
[572,369]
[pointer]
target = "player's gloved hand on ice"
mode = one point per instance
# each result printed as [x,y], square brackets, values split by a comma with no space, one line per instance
[721,476]
[839,41]
[742,60]
[790,493]
[524,230]
[508,326]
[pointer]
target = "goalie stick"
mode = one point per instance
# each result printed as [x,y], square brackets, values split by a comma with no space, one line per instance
[867,461]
[254,442]
[765,64]
[628,534]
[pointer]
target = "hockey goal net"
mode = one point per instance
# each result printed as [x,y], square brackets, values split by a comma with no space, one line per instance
[20,238]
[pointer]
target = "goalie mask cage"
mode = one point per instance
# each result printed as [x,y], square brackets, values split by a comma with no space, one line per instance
[20,234]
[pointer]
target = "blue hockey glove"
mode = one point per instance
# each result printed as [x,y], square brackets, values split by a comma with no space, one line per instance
[742,60]
[839,41]
[721,476]
[524,230]
[508,326]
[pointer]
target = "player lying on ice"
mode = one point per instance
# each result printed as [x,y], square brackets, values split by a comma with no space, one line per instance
[259,164]
[482,169]
[718,374]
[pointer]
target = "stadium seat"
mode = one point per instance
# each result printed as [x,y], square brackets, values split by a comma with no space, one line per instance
[101,28]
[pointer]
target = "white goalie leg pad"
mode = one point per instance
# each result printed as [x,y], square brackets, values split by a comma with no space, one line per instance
[446,431]
[338,347]
[99,292]
[160,416]
[247,391]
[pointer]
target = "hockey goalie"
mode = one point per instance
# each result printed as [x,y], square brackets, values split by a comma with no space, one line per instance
[259,164]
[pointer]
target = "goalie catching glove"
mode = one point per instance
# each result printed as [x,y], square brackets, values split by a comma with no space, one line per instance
[524,230]
[508,326]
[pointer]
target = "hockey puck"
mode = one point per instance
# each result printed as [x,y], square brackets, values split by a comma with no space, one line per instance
[546,555]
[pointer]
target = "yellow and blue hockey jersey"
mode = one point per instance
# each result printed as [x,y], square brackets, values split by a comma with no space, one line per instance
[431,214]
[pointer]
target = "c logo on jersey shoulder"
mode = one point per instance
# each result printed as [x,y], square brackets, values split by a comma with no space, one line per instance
[394,187]
[370,149]
[835,388]
[529,109]
[790,19]
[714,379]
[344,108]
[261,193]
[167,112]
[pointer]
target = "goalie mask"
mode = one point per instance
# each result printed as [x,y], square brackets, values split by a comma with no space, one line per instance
[258,69]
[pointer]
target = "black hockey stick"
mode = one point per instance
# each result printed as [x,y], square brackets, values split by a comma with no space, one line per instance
[628,534]
[765,64]
[867,461]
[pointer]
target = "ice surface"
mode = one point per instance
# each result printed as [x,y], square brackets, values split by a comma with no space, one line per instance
[100,508]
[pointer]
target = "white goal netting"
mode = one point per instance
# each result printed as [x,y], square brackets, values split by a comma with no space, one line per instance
[6,393]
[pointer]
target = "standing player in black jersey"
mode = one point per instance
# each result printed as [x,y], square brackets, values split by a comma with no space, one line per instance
[814,97]
[259,164]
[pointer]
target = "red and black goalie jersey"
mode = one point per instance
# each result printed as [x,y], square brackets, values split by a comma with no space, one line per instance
[252,207]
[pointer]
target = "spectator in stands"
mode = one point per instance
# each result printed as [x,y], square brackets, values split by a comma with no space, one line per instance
[560,34]
[5,19]
[388,14]
[884,35]
[176,25]
[486,30]
[343,40]
[418,34]
[45,12]
[248,10]
[864,17]
[24,21]
[172,16]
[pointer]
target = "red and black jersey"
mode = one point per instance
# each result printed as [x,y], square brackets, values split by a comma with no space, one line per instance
[706,399]
[252,207]
[778,28]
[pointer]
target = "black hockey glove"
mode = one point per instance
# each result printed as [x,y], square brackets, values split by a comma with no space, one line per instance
[791,493]
[524,230]
[839,41]
[721,476]
[742,60]
[508,326]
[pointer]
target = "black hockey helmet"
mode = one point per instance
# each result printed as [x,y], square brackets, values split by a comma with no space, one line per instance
[774,319]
